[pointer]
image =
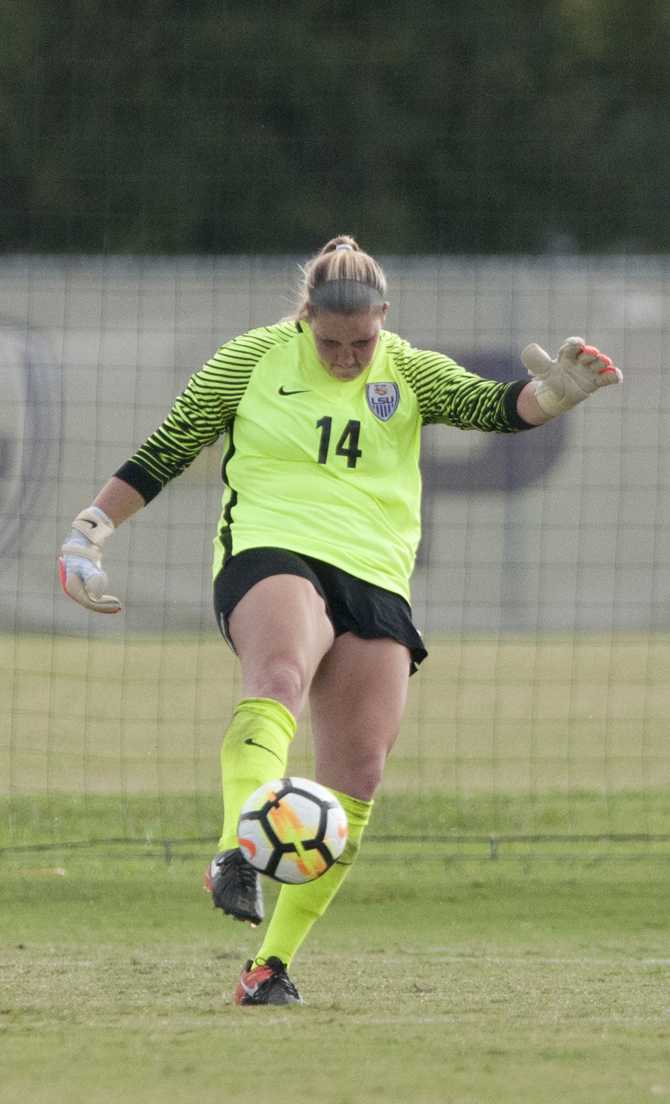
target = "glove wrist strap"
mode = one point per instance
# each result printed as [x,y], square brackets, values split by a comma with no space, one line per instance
[94,524]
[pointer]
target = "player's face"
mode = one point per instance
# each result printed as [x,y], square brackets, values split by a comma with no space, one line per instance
[346,343]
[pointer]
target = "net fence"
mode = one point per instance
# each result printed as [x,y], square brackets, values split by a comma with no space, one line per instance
[541,586]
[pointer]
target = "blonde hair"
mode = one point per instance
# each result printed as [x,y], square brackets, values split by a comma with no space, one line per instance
[356,280]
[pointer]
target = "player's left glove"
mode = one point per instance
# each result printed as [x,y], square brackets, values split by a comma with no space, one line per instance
[577,372]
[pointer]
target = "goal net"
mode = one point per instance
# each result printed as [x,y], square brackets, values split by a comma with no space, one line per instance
[541,586]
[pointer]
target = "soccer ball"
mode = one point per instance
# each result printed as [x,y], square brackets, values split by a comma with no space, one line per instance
[292,829]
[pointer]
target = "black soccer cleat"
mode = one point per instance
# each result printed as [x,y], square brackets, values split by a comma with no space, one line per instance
[235,886]
[266,984]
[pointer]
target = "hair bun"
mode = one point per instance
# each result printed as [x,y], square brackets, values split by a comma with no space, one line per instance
[341,242]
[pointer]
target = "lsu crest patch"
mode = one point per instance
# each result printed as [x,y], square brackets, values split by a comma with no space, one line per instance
[383,399]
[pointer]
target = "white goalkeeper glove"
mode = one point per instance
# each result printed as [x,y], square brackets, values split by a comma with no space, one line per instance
[577,372]
[79,563]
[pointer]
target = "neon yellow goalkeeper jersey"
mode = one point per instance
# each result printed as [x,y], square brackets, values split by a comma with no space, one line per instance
[320,466]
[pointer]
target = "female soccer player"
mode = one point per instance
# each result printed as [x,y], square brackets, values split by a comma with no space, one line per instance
[315,546]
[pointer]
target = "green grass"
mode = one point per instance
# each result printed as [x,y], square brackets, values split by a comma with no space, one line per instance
[428,982]
[439,976]
[449,820]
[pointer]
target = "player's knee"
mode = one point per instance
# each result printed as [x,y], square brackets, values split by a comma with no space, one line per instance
[285,681]
[367,776]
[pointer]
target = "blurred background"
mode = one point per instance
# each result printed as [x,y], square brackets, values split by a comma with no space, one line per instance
[164,170]
[214,127]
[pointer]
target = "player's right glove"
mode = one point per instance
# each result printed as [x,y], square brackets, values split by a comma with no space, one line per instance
[578,371]
[79,563]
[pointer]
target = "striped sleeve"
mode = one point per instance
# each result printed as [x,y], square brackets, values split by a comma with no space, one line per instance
[202,412]
[451,395]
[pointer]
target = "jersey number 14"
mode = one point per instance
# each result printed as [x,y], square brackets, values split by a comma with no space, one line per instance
[347,444]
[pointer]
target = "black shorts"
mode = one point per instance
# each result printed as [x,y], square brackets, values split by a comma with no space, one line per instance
[352,604]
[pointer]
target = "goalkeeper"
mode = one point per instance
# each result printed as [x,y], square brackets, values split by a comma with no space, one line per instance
[322,417]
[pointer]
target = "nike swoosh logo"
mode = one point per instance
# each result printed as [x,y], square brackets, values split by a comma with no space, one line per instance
[269,750]
[302,391]
[93,524]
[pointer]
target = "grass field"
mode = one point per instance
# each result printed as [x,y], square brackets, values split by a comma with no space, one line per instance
[439,976]
[448,983]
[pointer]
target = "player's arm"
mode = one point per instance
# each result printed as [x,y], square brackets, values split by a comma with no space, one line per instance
[164,455]
[197,418]
[450,394]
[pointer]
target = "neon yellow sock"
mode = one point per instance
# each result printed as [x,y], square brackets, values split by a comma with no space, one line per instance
[254,750]
[298,906]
